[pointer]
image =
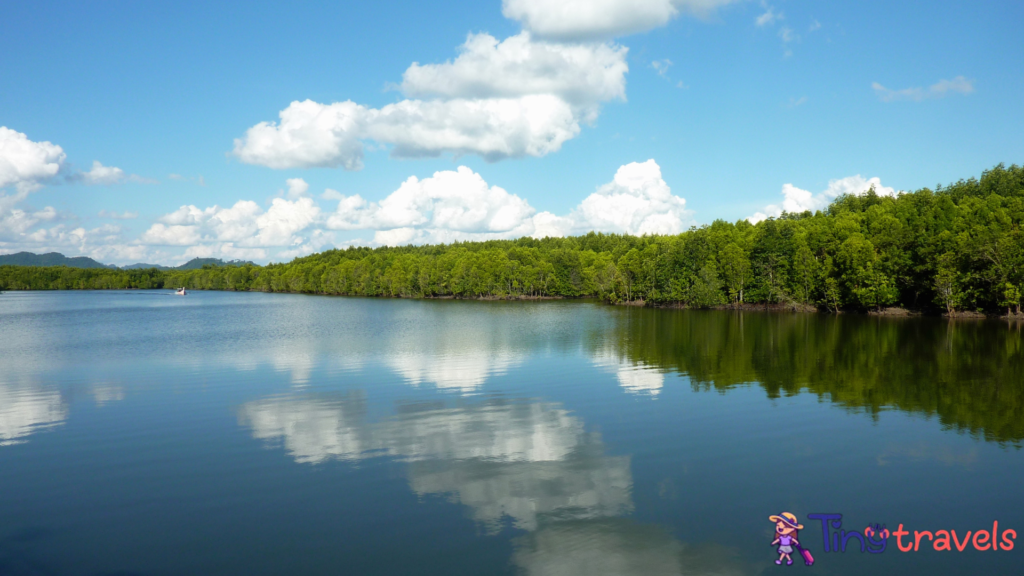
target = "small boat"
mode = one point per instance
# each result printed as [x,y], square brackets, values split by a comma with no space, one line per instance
[181,292]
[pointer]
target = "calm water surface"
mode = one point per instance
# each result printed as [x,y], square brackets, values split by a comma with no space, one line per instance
[249,434]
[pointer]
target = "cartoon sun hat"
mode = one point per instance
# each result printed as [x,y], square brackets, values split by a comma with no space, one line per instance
[787,519]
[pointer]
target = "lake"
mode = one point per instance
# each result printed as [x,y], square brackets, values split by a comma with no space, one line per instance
[246,434]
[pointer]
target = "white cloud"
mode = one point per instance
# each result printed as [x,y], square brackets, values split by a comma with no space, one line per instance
[448,203]
[497,99]
[636,201]
[24,163]
[109,175]
[308,135]
[815,25]
[173,235]
[460,205]
[311,134]
[297,187]
[769,17]
[101,174]
[958,85]
[15,221]
[242,226]
[315,242]
[797,200]
[330,194]
[225,250]
[787,34]
[494,128]
[581,74]
[600,19]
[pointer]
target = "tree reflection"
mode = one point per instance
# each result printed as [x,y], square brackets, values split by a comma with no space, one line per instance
[969,374]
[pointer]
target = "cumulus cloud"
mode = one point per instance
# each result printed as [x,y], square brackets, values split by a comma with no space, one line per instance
[24,164]
[460,205]
[636,201]
[224,250]
[108,175]
[494,128]
[577,20]
[497,99]
[311,134]
[581,74]
[101,174]
[244,225]
[796,200]
[15,220]
[447,206]
[308,135]
[940,89]
[297,187]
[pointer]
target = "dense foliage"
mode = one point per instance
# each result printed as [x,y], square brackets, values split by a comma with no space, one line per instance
[954,248]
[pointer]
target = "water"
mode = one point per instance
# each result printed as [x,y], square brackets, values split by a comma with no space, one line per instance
[222,433]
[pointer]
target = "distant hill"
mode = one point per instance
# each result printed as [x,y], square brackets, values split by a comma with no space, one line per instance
[141,266]
[197,263]
[51,259]
[57,259]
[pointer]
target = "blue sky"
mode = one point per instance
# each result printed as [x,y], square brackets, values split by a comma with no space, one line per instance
[746,108]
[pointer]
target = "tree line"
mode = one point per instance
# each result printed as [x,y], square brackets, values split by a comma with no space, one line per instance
[955,248]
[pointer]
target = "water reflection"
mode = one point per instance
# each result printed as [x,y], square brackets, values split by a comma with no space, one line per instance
[27,408]
[633,377]
[104,394]
[924,451]
[969,374]
[313,429]
[527,463]
[619,547]
[501,458]
[464,371]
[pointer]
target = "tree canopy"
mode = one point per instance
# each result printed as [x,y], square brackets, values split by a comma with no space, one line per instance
[957,247]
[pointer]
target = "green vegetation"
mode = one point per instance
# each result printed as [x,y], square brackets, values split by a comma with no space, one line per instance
[955,248]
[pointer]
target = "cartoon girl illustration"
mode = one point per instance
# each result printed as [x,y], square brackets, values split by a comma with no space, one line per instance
[786,531]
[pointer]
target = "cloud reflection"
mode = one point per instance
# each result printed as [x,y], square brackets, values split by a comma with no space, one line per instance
[27,408]
[464,371]
[501,458]
[633,377]
[104,394]
[313,429]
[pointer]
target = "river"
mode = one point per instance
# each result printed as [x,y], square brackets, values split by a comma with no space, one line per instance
[244,433]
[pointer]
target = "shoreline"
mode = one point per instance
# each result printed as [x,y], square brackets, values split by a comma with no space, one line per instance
[792,307]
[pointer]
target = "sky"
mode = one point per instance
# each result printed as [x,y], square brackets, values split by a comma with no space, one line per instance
[161,131]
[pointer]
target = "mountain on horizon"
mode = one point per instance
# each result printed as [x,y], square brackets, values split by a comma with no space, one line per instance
[49,259]
[58,259]
[197,263]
